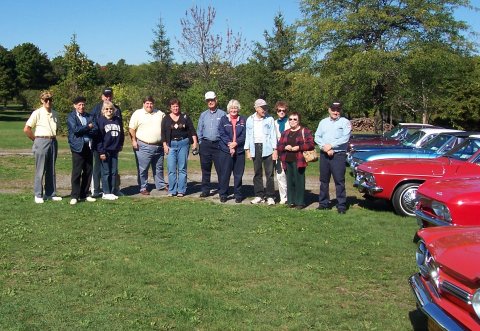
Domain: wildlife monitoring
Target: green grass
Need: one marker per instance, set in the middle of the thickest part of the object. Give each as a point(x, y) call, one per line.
point(183, 264)
point(170, 264)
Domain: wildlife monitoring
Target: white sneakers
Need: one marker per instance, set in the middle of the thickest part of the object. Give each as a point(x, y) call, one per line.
point(90, 199)
point(73, 201)
point(41, 200)
point(283, 201)
point(257, 200)
point(107, 196)
point(54, 198)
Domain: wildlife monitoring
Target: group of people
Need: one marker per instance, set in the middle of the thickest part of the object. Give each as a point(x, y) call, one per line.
point(223, 140)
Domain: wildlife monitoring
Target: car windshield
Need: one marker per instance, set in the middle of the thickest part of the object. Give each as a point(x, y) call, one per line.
point(413, 138)
point(465, 150)
point(438, 142)
point(394, 133)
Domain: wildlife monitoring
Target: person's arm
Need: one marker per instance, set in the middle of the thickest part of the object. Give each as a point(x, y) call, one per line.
point(200, 127)
point(28, 132)
point(273, 140)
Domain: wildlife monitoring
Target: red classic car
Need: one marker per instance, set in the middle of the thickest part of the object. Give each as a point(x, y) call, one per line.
point(447, 286)
point(397, 180)
point(448, 201)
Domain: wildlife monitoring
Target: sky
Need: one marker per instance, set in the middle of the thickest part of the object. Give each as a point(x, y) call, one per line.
point(110, 30)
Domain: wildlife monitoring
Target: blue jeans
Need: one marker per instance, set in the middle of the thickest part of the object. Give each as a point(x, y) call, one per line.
point(150, 155)
point(109, 173)
point(177, 166)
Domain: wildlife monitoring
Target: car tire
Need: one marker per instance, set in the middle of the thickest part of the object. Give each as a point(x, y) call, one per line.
point(404, 197)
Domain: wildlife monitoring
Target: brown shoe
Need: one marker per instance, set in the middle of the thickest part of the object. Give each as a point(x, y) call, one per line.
point(144, 192)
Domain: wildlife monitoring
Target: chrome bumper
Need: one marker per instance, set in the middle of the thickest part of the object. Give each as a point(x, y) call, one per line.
point(429, 308)
point(364, 187)
point(421, 216)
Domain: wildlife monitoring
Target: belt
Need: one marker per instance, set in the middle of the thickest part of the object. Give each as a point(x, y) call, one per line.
point(155, 144)
point(46, 137)
point(178, 139)
point(212, 141)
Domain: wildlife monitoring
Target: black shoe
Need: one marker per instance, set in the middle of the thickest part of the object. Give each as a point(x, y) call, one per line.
point(223, 199)
point(238, 200)
point(300, 206)
point(204, 195)
point(322, 208)
point(341, 211)
point(291, 206)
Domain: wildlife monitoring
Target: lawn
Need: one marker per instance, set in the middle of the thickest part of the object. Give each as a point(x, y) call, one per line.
point(169, 263)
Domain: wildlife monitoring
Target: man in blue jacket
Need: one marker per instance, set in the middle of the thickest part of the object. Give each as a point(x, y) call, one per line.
point(81, 130)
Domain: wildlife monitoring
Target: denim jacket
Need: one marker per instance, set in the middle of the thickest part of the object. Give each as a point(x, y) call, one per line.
point(269, 134)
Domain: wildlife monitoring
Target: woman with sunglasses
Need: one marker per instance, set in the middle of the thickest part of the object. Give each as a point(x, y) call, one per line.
point(291, 145)
point(109, 144)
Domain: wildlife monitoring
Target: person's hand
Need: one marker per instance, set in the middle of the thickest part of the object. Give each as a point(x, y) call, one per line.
point(330, 152)
point(103, 157)
point(288, 148)
point(248, 154)
point(90, 125)
point(327, 147)
point(295, 149)
point(274, 155)
point(232, 151)
point(134, 145)
point(232, 144)
point(166, 149)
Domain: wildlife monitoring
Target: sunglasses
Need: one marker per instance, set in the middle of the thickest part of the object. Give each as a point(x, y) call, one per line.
point(293, 119)
point(280, 110)
point(47, 100)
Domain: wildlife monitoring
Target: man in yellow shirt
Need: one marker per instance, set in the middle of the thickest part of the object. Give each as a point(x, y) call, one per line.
point(145, 129)
point(44, 121)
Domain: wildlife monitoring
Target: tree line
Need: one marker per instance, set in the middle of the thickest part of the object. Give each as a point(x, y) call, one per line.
point(391, 60)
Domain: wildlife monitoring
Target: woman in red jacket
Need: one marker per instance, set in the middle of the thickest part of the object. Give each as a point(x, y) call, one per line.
point(293, 142)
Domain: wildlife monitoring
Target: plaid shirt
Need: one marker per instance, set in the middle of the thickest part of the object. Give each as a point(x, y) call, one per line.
point(305, 145)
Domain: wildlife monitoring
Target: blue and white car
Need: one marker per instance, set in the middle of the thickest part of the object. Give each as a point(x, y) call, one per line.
point(432, 142)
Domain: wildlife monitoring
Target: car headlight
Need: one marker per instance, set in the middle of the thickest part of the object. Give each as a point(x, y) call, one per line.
point(426, 263)
point(420, 257)
point(442, 211)
point(476, 302)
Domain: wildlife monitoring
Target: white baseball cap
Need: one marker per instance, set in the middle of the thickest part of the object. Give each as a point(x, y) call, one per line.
point(210, 95)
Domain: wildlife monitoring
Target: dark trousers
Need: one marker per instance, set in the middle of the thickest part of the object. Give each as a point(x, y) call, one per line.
point(295, 184)
point(263, 164)
point(109, 172)
point(82, 164)
point(231, 164)
point(333, 166)
point(209, 153)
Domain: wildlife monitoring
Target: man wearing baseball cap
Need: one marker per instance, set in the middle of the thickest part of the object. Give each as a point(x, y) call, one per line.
point(107, 95)
point(261, 147)
point(332, 137)
point(208, 138)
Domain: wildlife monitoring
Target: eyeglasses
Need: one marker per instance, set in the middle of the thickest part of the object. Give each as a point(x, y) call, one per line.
point(293, 119)
point(280, 110)
point(47, 100)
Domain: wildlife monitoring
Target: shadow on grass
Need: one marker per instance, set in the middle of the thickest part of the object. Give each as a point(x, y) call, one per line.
point(418, 320)
point(13, 115)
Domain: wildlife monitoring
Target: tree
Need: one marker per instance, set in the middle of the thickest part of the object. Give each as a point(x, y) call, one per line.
point(201, 45)
point(162, 55)
point(370, 38)
point(8, 76)
point(273, 61)
point(33, 67)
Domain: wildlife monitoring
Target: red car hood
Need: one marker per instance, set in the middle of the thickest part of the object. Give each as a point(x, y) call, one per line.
point(450, 188)
point(435, 167)
point(456, 249)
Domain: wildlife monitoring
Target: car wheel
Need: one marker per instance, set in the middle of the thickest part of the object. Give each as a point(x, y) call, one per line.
point(404, 199)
